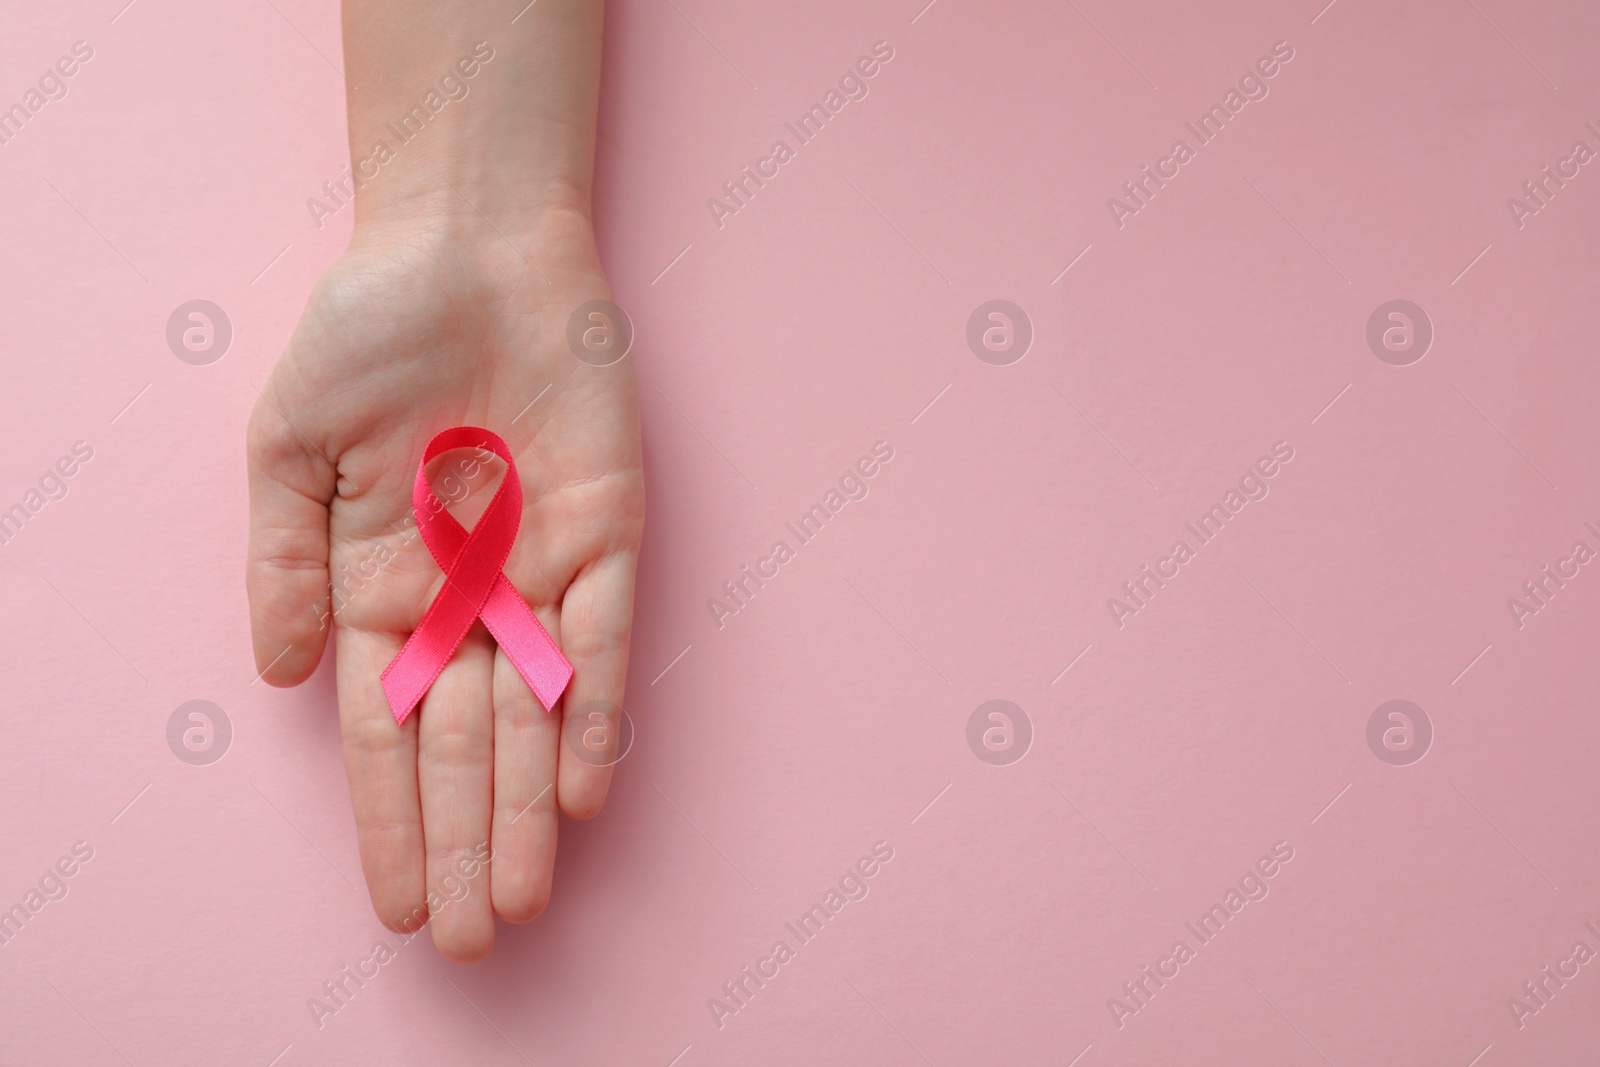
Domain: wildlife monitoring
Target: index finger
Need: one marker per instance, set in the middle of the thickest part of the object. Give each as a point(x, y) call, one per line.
point(380, 760)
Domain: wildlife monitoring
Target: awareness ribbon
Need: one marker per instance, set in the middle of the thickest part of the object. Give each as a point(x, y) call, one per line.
point(474, 587)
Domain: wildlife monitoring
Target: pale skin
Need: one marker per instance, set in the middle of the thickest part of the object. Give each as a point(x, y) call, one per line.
point(471, 248)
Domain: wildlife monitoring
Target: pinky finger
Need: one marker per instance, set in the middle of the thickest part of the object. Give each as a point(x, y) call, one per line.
point(596, 624)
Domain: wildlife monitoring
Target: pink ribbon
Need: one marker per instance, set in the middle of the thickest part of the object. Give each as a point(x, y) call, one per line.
point(474, 587)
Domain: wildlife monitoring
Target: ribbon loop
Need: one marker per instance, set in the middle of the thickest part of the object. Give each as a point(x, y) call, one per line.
point(475, 586)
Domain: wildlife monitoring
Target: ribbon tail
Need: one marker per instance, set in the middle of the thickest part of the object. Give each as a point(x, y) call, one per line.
point(527, 643)
point(403, 686)
point(417, 666)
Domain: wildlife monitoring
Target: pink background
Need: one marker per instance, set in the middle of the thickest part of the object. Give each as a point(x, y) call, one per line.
point(831, 713)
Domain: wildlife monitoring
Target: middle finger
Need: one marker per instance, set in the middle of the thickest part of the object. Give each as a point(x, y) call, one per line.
point(455, 762)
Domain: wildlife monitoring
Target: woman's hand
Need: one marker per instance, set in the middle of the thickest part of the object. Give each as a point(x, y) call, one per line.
point(431, 321)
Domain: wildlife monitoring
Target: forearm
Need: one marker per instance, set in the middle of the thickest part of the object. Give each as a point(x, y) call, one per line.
point(464, 121)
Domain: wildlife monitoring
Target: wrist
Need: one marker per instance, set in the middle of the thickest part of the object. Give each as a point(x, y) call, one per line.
point(554, 240)
point(471, 139)
point(466, 175)
point(466, 204)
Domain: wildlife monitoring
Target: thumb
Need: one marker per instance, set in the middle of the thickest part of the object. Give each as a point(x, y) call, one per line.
point(286, 572)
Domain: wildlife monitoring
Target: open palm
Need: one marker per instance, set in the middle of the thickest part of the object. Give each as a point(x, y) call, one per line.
point(401, 338)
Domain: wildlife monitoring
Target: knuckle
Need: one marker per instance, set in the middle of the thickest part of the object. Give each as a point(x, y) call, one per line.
point(370, 736)
point(270, 439)
point(458, 743)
